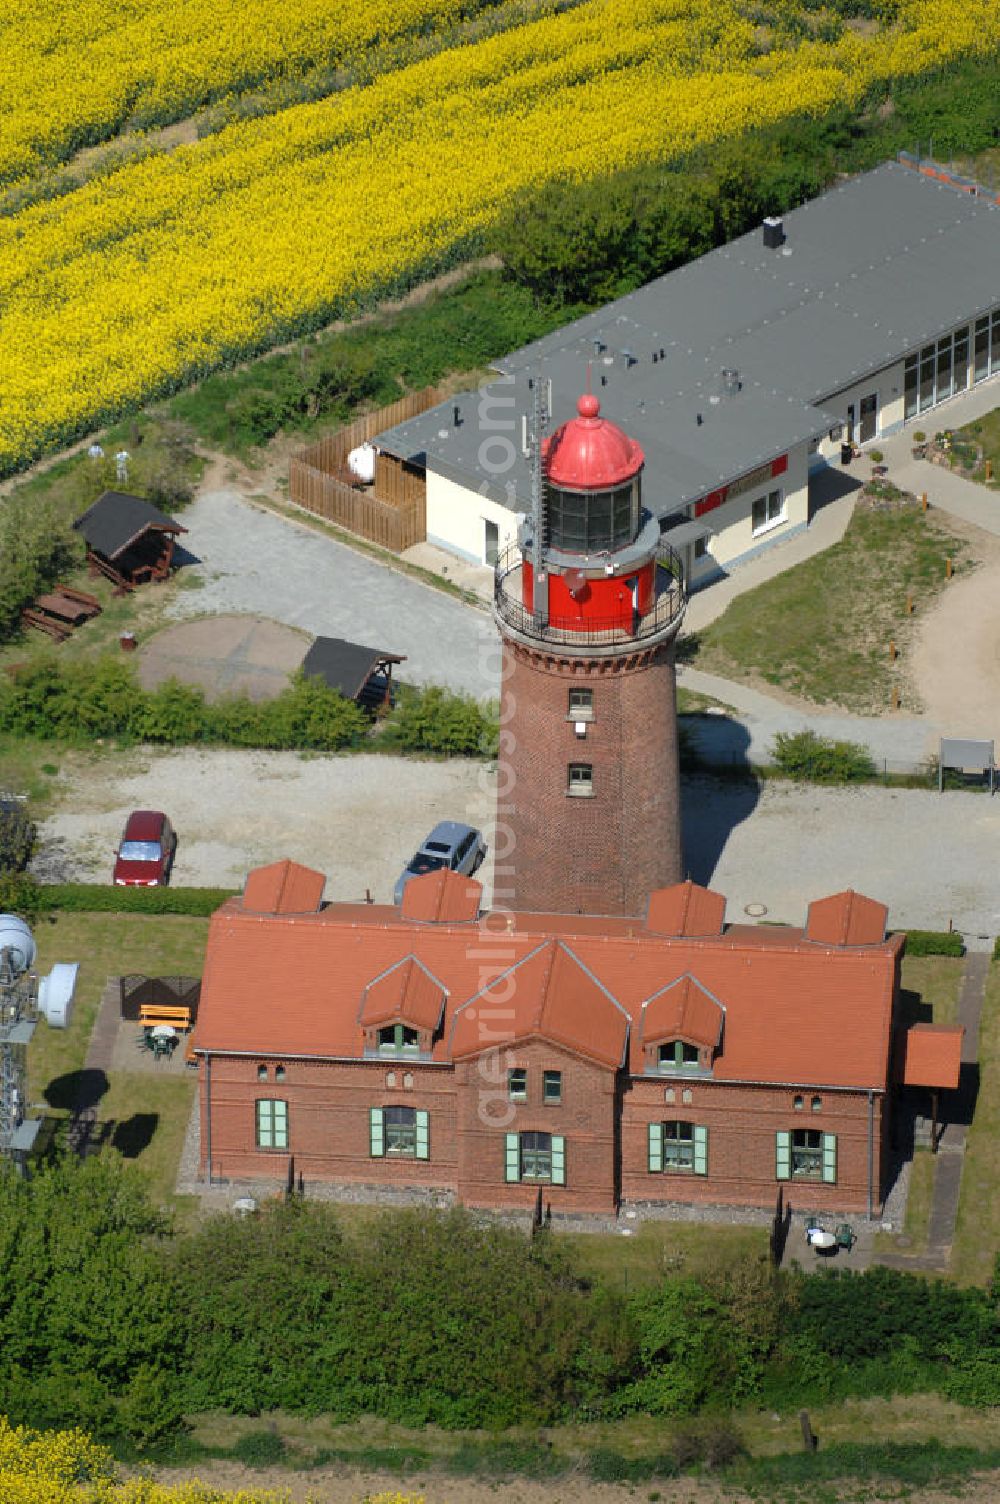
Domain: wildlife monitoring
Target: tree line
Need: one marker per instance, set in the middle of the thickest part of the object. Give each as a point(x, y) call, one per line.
point(113, 1319)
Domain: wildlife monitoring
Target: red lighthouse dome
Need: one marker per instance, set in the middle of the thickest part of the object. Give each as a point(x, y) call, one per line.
point(590, 453)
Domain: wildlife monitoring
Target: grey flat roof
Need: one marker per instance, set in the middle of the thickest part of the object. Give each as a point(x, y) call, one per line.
point(869, 271)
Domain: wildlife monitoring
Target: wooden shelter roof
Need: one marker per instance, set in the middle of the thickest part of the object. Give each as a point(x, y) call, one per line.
point(116, 521)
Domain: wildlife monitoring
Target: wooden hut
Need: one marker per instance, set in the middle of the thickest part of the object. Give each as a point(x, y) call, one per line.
point(128, 539)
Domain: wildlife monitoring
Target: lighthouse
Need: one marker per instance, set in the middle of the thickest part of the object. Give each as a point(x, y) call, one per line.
point(588, 603)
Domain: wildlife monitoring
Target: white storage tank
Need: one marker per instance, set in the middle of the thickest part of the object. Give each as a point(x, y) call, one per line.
point(361, 462)
point(55, 994)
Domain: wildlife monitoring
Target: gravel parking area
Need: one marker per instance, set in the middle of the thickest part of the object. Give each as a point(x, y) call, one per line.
point(359, 818)
point(251, 561)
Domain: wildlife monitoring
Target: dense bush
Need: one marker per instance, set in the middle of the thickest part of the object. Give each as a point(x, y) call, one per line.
point(17, 838)
point(36, 545)
point(109, 1318)
point(436, 720)
point(818, 759)
point(934, 943)
point(83, 699)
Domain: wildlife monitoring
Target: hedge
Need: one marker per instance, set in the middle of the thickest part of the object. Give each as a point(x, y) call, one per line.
point(934, 943)
point(23, 895)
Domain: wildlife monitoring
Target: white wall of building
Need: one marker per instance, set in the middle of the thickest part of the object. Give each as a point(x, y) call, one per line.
point(457, 518)
point(887, 387)
point(734, 534)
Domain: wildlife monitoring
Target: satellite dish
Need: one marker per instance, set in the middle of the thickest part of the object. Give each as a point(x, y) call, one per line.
point(55, 994)
point(17, 939)
point(576, 583)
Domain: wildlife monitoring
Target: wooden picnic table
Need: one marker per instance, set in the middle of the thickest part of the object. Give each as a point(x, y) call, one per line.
point(63, 607)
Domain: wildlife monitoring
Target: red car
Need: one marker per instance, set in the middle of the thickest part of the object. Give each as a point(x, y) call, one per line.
point(146, 852)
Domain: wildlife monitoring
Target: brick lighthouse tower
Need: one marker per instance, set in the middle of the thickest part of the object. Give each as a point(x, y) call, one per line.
point(588, 603)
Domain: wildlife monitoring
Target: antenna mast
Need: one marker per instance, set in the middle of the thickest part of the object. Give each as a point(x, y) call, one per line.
point(540, 413)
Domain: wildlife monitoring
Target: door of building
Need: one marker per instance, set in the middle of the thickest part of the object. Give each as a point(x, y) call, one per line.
point(850, 435)
point(868, 417)
point(491, 542)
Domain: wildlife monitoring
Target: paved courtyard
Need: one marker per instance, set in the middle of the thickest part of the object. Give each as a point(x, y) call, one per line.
point(253, 561)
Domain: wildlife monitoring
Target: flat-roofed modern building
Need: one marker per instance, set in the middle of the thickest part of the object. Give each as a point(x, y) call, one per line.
point(741, 373)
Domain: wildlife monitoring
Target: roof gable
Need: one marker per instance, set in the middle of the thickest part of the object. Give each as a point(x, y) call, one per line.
point(283, 888)
point(686, 909)
point(550, 993)
point(407, 993)
point(683, 1010)
point(441, 897)
point(846, 918)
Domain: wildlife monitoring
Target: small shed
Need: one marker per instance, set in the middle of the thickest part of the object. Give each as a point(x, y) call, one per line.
point(128, 539)
point(358, 673)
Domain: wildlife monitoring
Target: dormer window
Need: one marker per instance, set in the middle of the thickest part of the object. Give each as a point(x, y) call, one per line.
point(397, 1039)
point(677, 1055)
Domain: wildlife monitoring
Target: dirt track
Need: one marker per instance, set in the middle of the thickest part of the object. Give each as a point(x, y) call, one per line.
point(331, 1486)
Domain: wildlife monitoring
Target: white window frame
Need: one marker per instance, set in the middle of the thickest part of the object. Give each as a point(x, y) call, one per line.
point(771, 520)
point(580, 788)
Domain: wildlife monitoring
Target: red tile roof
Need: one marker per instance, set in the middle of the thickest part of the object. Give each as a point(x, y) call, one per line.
point(847, 918)
point(795, 1011)
point(441, 897)
point(283, 888)
point(406, 993)
point(686, 909)
point(684, 1010)
point(548, 993)
point(933, 1056)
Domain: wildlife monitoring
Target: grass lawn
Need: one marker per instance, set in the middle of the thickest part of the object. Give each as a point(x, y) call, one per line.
point(977, 1235)
point(930, 985)
point(149, 1115)
point(105, 945)
point(659, 1248)
point(822, 629)
point(913, 1418)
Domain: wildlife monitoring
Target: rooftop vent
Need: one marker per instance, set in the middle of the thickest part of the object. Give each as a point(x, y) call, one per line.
point(774, 233)
point(729, 382)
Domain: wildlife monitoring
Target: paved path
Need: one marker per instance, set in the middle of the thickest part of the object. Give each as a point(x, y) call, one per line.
point(263, 564)
point(951, 1143)
point(952, 493)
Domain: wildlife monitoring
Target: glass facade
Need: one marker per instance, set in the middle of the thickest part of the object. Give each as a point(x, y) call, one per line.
point(938, 371)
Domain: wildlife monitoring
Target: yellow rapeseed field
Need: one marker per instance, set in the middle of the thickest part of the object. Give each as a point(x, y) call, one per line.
point(160, 271)
point(66, 1467)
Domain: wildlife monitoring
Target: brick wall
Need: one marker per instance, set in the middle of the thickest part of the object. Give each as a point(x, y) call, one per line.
point(585, 1118)
point(604, 1125)
point(742, 1122)
point(606, 853)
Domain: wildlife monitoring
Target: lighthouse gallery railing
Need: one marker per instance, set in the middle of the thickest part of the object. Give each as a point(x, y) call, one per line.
point(666, 610)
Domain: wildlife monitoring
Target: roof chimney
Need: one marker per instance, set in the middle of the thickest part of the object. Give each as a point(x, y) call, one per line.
point(730, 382)
point(774, 232)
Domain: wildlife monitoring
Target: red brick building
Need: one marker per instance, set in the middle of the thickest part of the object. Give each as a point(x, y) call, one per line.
point(659, 1060)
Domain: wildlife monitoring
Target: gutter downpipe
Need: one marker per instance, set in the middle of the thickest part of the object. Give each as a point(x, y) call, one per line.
point(871, 1147)
point(208, 1115)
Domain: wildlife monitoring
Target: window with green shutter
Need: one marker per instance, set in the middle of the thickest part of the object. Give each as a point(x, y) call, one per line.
point(376, 1132)
point(536, 1157)
point(678, 1146)
point(783, 1156)
point(423, 1135)
point(830, 1158)
point(272, 1124)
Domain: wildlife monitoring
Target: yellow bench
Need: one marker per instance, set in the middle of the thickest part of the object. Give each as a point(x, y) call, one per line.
point(151, 1014)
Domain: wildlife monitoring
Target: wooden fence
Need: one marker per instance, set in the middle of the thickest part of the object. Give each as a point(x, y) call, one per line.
point(393, 511)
